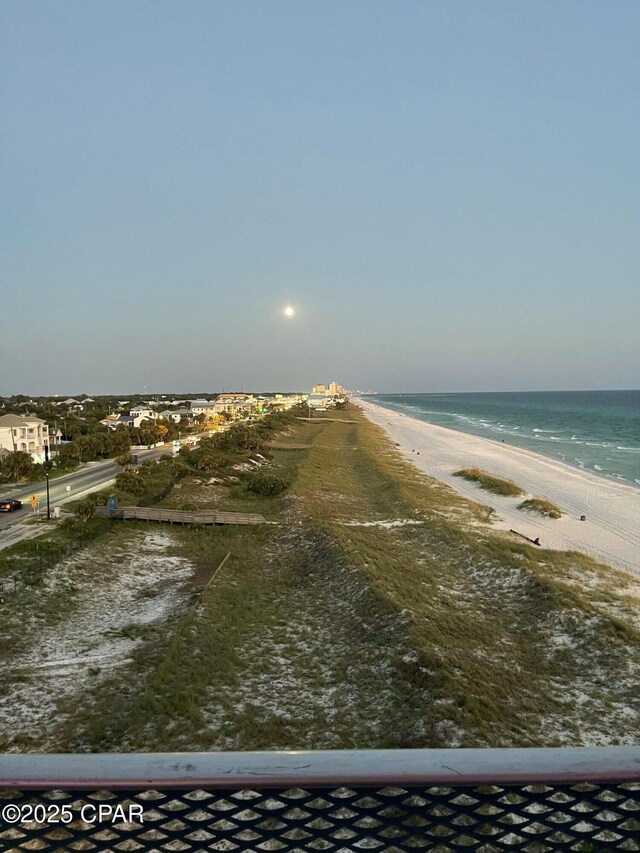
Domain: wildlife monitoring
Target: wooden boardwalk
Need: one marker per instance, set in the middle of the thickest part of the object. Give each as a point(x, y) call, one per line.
point(174, 516)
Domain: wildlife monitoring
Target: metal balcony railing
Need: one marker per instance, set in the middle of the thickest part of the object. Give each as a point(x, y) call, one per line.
point(485, 800)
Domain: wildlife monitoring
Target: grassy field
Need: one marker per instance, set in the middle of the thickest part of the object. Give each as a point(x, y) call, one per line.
point(376, 609)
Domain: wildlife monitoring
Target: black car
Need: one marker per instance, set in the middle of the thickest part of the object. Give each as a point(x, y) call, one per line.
point(9, 505)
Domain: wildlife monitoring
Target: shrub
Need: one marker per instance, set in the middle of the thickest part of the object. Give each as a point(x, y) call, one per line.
point(175, 466)
point(266, 484)
point(542, 507)
point(130, 482)
point(150, 500)
point(85, 509)
point(238, 438)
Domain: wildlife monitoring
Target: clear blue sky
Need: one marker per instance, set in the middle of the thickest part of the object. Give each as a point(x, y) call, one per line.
point(446, 191)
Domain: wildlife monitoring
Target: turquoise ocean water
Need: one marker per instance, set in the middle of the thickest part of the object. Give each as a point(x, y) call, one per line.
point(598, 431)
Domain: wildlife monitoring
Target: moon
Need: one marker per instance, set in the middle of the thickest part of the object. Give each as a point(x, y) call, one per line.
point(289, 311)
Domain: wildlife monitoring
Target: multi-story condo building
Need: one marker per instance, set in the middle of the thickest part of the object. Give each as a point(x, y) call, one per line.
point(236, 405)
point(333, 389)
point(26, 433)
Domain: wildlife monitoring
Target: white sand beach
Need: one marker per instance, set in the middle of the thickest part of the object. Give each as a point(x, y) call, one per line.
point(611, 531)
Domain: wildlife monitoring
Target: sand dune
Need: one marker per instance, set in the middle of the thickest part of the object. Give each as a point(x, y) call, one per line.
point(611, 532)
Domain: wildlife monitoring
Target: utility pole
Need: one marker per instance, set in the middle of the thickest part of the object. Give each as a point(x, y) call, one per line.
point(47, 466)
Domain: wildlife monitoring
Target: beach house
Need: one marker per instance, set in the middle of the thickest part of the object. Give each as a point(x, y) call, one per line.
point(26, 433)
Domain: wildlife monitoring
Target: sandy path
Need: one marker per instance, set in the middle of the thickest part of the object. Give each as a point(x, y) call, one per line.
point(611, 532)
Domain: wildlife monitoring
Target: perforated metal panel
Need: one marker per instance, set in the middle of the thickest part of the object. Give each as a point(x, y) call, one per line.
point(533, 818)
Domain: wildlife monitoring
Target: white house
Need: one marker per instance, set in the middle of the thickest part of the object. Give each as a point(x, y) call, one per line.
point(142, 412)
point(134, 419)
point(202, 407)
point(72, 404)
point(26, 433)
point(185, 414)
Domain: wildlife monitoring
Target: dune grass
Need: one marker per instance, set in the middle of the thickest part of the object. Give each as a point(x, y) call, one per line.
point(378, 611)
point(542, 507)
point(496, 625)
point(490, 482)
point(269, 658)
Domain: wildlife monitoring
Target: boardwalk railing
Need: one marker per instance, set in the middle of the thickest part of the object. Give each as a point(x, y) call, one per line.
point(174, 516)
point(531, 800)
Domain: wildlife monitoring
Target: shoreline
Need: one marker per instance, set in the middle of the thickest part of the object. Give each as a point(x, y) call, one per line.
point(525, 443)
point(611, 531)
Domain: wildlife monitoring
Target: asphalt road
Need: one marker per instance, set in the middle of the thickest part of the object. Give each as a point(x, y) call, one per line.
point(69, 487)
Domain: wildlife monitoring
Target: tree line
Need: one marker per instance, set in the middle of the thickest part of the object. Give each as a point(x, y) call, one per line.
point(88, 441)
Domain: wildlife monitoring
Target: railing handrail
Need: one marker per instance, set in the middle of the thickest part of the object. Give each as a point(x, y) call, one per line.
point(362, 768)
point(205, 516)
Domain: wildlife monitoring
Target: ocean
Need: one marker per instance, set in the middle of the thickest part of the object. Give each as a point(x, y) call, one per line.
point(598, 431)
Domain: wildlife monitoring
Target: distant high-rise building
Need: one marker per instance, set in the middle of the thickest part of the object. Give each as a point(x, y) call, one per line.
point(319, 389)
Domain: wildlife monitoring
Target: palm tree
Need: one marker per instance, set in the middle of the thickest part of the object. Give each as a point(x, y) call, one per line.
point(17, 465)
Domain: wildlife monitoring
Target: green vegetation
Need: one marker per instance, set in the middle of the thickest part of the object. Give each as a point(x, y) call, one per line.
point(150, 483)
point(129, 483)
point(101, 443)
point(378, 612)
point(84, 510)
point(542, 507)
point(266, 484)
point(125, 461)
point(15, 466)
point(153, 481)
point(87, 439)
point(489, 482)
point(19, 466)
